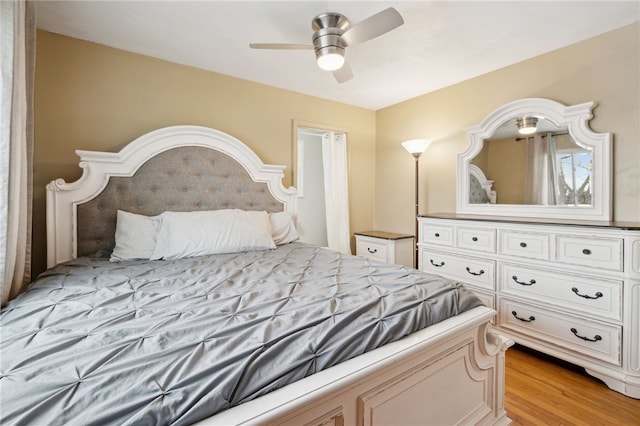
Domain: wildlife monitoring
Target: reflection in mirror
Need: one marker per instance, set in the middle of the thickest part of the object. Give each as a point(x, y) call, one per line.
point(544, 168)
point(536, 158)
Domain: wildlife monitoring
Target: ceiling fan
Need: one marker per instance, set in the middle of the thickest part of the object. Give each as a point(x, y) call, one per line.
point(333, 33)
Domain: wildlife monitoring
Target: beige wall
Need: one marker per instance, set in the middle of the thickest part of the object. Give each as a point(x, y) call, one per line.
point(604, 69)
point(94, 97)
point(98, 98)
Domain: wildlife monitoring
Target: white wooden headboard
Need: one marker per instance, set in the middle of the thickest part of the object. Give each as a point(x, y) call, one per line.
point(176, 168)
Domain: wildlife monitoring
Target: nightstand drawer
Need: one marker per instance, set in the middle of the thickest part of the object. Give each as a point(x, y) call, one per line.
point(597, 340)
point(479, 272)
point(590, 295)
point(437, 234)
point(524, 244)
point(386, 247)
point(605, 253)
point(476, 239)
point(371, 248)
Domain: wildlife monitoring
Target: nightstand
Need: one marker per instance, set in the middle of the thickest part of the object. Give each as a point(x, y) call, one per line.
point(385, 246)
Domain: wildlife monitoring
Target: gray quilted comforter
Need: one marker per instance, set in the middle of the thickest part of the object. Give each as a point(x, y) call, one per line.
point(173, 342)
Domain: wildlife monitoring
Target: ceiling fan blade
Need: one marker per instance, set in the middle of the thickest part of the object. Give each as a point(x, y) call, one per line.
point(373, 26)
point(343, 74)
point(283, 46)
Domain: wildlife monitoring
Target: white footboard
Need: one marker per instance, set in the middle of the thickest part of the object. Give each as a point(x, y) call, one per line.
point(450, 373)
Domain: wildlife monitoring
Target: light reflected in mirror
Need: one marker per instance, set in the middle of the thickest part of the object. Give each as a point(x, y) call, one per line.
point(544, 168)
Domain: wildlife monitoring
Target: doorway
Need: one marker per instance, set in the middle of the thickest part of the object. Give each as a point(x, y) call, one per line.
point(312, 217)
point(320, 175)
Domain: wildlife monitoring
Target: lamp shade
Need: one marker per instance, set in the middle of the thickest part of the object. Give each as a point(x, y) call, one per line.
point(416, 146)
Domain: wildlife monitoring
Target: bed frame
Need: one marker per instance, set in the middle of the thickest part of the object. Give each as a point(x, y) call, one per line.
point(450, 373)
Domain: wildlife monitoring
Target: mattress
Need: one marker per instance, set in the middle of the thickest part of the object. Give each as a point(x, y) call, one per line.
point(173, 342)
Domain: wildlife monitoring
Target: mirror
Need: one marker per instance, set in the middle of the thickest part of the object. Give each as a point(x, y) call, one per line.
point(559, 169)
point(545, 168)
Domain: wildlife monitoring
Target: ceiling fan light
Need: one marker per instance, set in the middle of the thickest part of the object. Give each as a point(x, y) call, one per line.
point(331, 61)
point(527, 125)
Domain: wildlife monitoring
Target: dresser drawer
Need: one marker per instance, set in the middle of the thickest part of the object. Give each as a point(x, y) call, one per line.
point(591, 338)
point(476, 239)
point(524, 244)
point(605, 253)
point(479, 272)
point(589, 295)
point(436, 234)
point(371, 248)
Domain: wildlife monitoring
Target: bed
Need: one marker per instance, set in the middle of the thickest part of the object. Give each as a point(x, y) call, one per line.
point(249, 328)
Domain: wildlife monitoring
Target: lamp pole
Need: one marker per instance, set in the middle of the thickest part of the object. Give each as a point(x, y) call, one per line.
point(416, 147)
point(416, 155)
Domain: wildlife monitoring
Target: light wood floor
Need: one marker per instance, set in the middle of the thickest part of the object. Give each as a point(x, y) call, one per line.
point(543, 391)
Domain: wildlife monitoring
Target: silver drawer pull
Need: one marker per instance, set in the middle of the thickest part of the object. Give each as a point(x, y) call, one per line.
point(437, 265)
point(523, 244)
point(586, 252)
point(586, 296)
point(530, 319)
point(372, 251)
point(475, 273)
point(515, 278)
point(595, 338)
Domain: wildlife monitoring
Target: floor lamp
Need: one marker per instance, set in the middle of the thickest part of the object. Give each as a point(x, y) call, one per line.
point(416, 147)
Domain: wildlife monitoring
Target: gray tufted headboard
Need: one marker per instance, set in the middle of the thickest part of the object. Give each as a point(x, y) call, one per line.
point(180, 168)
point(181, 179)
point(477, 193)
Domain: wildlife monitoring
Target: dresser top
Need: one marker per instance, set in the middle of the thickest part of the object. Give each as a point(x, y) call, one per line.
point(383, 235)
point(632, 226)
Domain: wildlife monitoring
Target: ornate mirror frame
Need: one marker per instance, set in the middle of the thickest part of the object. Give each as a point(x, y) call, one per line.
point(575, 118)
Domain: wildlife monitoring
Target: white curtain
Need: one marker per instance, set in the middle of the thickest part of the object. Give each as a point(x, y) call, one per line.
point(334, 160)
point(541, 170)
point(17, 49)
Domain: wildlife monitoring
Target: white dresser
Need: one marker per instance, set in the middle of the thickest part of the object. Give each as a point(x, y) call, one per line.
point(385, 246)
point(569, 290)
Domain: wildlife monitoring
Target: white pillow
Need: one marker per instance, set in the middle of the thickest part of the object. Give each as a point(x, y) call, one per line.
point(188, 234)
point(283, 230)
point(135, 237)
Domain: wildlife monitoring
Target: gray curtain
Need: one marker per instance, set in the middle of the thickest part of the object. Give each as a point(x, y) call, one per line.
point(541, 170)
point(17, 50)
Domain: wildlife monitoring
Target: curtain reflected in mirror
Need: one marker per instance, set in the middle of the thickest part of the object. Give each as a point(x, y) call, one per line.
point(546, 168)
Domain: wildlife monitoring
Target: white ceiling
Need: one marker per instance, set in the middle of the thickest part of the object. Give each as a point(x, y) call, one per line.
point(440, 44)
